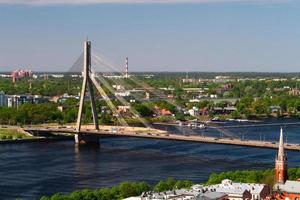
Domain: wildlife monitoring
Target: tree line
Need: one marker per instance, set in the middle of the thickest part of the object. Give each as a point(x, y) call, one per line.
point(121, 191)
point(128, 189)
point(251, 176)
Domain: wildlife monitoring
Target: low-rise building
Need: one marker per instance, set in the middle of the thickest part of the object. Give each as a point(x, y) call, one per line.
point(184, 194)
point(165, 112)
point(18, 100)
point(162, 111)
point(294, 92)
point(223, 79)
point(241, 191)
point(122, 94)
point(3, 99)
point(123, 109)
point(194, 111)
point(227, 190)
point(62, 99)
point(290, 190)
point(193, 90)
point(275, 109)
point(133, 198)
point(194, 100)
point(118, 87)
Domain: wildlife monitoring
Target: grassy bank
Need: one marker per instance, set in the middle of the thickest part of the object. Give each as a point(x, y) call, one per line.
point(11, 134)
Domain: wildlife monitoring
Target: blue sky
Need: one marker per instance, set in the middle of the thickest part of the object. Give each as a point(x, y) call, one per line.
point(201, 35)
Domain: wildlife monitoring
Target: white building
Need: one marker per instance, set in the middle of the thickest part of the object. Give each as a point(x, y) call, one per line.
point(227, 190)
point(18, 100)
point(133, 198)
point(223, 79)
point(57, 75)
point(118, 87)
point(240, 191)
point(10, 101)
point(122, 94)
point(194, 111)
point(194, 100)
point(183, 194)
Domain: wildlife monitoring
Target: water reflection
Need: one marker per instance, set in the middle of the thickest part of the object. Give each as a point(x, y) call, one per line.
point(87, 162)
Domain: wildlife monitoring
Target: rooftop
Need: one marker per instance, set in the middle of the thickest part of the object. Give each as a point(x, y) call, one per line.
point(289, 186)
point(227, 186)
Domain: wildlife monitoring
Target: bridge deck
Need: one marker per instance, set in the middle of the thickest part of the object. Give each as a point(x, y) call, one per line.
point(170, 136)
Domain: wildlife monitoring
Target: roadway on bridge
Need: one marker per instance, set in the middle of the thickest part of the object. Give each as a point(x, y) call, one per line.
point(158, 134)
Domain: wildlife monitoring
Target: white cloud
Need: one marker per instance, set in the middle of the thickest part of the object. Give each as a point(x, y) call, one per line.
point(83, 2)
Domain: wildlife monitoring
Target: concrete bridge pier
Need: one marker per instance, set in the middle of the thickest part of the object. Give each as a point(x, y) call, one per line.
point(83, 139)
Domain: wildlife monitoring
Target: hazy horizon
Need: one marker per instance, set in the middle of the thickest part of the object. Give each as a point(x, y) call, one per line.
point(158, 71)
point(168, 35)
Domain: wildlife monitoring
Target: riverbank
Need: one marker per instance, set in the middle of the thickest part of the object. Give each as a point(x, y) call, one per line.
point(129, 189)
point(16, 135)
point(13, 134)
point(36, 139)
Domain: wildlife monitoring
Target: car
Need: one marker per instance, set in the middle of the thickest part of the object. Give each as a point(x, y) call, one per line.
point(114, 130)
point(215, 119)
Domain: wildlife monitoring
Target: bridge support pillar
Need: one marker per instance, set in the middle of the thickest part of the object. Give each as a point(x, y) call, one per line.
point(83, 139)
point(87, 82)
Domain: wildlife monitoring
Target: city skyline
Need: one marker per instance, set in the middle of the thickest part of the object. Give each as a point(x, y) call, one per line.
point(201, 35)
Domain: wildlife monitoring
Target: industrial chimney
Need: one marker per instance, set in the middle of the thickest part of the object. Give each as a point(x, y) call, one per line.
point(126, 69)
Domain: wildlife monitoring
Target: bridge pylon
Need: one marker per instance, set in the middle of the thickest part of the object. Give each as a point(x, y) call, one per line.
point(87, 83)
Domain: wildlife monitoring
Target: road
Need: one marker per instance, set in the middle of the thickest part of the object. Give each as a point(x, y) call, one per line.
point(167, 136)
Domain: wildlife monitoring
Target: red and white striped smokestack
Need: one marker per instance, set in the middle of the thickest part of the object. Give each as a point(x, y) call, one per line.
point(126, 69)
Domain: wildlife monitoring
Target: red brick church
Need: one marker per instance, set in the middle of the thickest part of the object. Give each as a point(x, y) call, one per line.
point(285, 189)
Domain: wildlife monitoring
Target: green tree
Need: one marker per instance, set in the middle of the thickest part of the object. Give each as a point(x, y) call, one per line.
point(143, 110)
point(179, 116)
point(127, 189)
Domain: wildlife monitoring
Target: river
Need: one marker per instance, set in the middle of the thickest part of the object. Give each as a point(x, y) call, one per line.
point(31, 170)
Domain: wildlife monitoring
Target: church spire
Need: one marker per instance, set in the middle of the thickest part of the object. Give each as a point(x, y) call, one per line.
point(281, 154)
point(281, 161)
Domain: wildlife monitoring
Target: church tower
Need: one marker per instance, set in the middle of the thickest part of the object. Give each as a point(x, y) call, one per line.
point(281, 162)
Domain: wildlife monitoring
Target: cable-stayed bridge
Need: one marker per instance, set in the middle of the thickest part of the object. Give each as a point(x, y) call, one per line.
point(92, 66)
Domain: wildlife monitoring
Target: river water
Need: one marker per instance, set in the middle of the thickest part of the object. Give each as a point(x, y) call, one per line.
point(30, 170)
